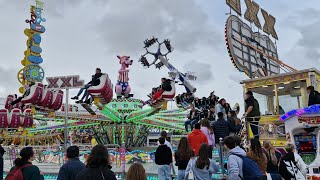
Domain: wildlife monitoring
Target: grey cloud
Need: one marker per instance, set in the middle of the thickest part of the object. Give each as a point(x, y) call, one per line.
point(201, 70)
point(128, 23)
point(8, 81)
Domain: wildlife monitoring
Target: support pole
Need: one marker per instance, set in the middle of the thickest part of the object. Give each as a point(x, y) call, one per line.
point(66, 109)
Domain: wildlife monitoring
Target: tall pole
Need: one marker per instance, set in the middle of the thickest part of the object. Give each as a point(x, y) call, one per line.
point(66, 109)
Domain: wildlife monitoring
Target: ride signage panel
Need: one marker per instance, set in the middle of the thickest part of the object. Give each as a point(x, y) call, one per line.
point(64, 82)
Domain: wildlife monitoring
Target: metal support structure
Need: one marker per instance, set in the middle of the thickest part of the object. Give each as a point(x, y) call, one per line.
point(221, 155)
point(277, 98)
point(66, 108)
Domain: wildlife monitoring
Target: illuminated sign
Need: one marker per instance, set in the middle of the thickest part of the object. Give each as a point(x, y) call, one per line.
point(64, 82)
point(251, 15)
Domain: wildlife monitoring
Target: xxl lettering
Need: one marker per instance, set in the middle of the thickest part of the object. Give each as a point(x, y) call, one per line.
point(52, 82)
point(270, 21)
point(66, 82)
point(252, 13)
point(235, 5)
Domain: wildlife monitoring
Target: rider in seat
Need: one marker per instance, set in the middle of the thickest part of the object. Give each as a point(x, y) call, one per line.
point(25, 94)
point(94, 82)
point(165, 86)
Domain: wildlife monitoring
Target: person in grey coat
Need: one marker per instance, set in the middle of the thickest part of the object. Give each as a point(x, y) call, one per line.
point(234, 164)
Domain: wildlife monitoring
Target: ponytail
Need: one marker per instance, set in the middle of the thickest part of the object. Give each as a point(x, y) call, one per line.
point(25, 154)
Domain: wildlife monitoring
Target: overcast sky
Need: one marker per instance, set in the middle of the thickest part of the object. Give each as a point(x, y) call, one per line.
point(82, 35)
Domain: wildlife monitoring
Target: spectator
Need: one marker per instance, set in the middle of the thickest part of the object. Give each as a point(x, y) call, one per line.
point(221, 127)
point(272, 166)
point(136, 172)
point(73, 167)
point(234, 165)
point(164, 134)
point(29, 171)
point(252, 113)
point(220, 107)
point(228, 108)
point(193, 118)
point(196, 138)
point(211, 114)
point(291, 164)
point(163, 158)
point(2, 151)
point(182, 157)
point(256, 154)
point(202, 166)
point(234, 122)
point(314, 96)
point(98, 165)
point(208, 131)
point(237, 139)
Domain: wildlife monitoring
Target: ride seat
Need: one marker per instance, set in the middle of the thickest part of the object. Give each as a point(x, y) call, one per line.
point(4, 118)
point(168, 95)
point(47, 97)
point(10, 98)
point(103, 91)
point(56, 100)
point(14, 118)
point(35, 94)
point(27, 119)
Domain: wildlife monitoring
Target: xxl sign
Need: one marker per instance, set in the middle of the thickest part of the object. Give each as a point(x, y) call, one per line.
point(251, 15)
point(64, 82)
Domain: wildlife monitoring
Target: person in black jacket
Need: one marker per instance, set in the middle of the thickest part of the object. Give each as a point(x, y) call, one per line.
point(193, 118)
point(221, 127)
point(314, 96)
point(98, 165)
point(25, 94)
point(163, 158)
point(73, 167)
point(94, 82)
point(182, 157)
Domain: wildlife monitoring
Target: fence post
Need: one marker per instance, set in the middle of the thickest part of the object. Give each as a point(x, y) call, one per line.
point(221, 155)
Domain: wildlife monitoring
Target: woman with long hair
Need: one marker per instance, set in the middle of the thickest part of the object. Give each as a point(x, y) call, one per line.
point(98, 165)
point(136, 172)
point(220, 107)
point(202, 166)
point(208, 131)
point(235, 122)
point(182, 157)
point(24, 163)
point(271, 154)
point(256, 154)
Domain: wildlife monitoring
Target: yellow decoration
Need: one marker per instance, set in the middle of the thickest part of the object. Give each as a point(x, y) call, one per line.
point(21, 90)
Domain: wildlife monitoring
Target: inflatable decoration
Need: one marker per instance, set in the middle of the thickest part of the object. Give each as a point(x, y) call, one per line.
point(32, 71)
point(122, 87)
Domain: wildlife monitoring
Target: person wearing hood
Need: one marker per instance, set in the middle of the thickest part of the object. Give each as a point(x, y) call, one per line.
point(202, 167)
point(163, 158)
point(196, 138)
point(234, 165)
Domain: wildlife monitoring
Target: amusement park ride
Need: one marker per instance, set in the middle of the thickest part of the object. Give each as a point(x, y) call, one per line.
point(40, 117)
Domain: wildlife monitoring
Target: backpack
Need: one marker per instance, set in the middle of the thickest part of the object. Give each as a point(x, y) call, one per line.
point(16, 173)
point(250, 169)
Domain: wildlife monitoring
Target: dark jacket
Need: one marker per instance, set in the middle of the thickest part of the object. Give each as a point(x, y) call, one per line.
point(182, 164)
point(292, 161)
point(163, 155)
point(251, 101)
point(221, 129)
point(314, 98)
point(95, 79)
point(166, 86)
point(71, 169)
point(102, 173)
point(196, 115)
point(31, 173)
